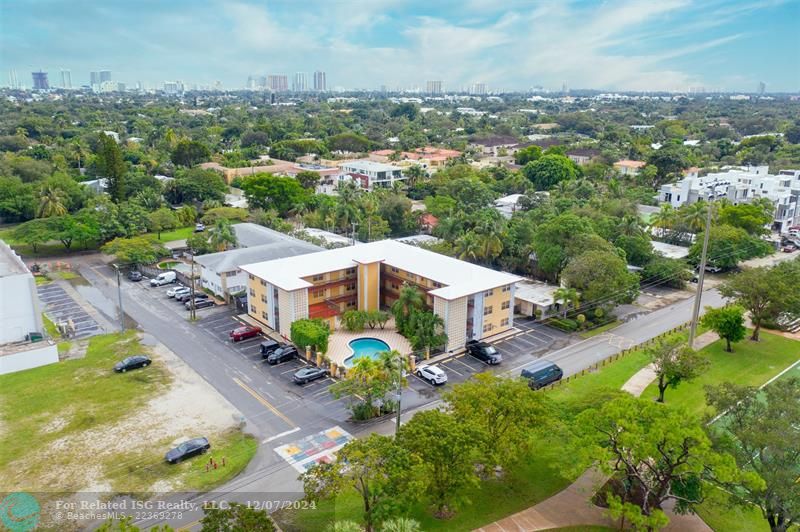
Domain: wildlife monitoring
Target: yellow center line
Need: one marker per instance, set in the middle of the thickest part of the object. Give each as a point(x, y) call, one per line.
point(263, 401)
point(188, 526)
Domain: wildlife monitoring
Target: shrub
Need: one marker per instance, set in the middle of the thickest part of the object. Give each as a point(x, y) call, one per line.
point(354, 320)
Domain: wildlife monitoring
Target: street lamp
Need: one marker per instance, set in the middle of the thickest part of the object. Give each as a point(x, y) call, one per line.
point(399, 360)
point(119, 298)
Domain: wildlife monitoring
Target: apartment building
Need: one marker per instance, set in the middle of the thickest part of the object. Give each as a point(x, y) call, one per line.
point(741, 185)
point(474, 302)
point(373, 174)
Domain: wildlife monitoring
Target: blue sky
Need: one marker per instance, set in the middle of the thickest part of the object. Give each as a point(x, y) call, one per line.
point(508, 44)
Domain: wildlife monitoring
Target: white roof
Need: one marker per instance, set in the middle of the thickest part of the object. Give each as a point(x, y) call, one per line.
point(536, 292)
point(367, 165)
point(669, 250)
point(459, 278)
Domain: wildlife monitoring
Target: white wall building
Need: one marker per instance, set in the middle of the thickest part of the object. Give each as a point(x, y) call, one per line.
point(20, 315)
point(373, 174)
point(741, 185)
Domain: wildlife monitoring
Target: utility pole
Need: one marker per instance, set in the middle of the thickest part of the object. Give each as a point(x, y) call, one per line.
point(355, 224)
point(119, 298)
point(700, 277)
point(192, 313)
point(399, 392)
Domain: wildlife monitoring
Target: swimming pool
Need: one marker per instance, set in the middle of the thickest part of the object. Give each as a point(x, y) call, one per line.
point(365, 347)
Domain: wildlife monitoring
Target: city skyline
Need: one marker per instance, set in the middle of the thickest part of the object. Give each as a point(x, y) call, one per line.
point(671, 46)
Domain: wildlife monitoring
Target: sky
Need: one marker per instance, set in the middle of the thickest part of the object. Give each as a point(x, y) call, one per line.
point(642, 45)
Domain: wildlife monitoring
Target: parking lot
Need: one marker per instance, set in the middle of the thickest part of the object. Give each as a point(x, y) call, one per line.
point(60, 307)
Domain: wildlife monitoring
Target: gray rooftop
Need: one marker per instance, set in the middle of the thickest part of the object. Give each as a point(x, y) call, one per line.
point(10, 262)
point(226, 261)
point(250, 234)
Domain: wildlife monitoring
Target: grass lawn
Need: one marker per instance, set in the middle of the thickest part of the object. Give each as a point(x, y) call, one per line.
point(717, 514)
point(750, 364)
point(54, 248)
point(598, 330)
point(50, 328)
point(539, 478)
point(176, 234)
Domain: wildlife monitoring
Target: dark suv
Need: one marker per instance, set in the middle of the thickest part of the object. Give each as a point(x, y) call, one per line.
point(282, 354)
point(484, 352)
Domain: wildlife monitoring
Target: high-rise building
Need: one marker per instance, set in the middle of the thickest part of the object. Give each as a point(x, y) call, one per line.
point(299, 82)
point(261, 82)
point(66, 79)
point(478, 89)
point(433, 87)
point(251, 83)
point(320, 83)
point(94, 79)
point(278, 82)
point(762, 87)
point(105, 75)
point(13, 82)
point(173, 87)
point(40, 82)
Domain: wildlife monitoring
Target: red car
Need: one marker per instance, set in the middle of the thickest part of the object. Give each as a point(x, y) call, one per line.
point(243, 333)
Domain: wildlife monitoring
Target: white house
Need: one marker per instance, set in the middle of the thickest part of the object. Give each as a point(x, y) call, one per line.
point(373, 174)
point(741, 185)
point(20, 316)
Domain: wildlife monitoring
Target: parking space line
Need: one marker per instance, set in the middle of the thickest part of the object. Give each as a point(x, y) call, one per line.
point(454, 370)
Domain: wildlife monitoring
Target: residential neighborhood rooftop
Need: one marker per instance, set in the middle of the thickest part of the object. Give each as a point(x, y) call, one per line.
point(226, 261)
point(10, 262)
point(459, 277)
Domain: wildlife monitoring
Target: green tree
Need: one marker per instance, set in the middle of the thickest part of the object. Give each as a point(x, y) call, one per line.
point(125, 524)
point(33, 233)
point(638, 249)
point(162, 220)
point(656, 454)
point(348, 142)
point(448, 450)
point(236, 517)
point(602, 277)
point(668, 272)
point(553, 242)
point(195, 184)
point(111, 166)
point(366, 384)
point(354, 320)
point(385, 475)
point(308, 179)
point(674, 362)
point(312, 333)
point(426, 330)
point(136, 250)
point(190, 152)
point(504, 411)
point(567, 297)
point(727, 246)
point(198, 244)
point(752, 217)
point(727, 322)
point(693, 216)
point(527, 154)
point(761, 430)
point(267, 191)
point(408, 300)
point(51, 203)
point(222, 235)
point(549, 170)
point(765, 293)
point(669, 161)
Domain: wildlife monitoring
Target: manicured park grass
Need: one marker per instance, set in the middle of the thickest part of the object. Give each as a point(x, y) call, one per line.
point(750, 364)
point(721, 516)
point(176, 234)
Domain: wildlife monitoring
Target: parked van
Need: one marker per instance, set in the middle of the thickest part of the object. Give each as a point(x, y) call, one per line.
point(541, 373)
point(163, 278)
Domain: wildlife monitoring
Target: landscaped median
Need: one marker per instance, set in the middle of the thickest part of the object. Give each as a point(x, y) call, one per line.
point(79, 426)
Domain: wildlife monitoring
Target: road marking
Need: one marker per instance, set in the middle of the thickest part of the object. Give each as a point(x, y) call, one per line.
point(189, 526)
point(281, 435)
point(263, 401)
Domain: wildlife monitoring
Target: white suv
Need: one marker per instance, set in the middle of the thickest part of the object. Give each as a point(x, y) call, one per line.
point(432, 374)
point(178, 291)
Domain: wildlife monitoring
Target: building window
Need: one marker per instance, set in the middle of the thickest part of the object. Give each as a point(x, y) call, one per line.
point(488, 327)
point(350, 271)
point(318, 293)
point(318, 278)
point(487, 310)
point(263, 298)
point(253, 309)
point(252, 293)
point(395, 286)
point(264, 315)
point(506, 305)
point(351, 286)
point(230, 274)
point(507, 288)
point(395, 270)
point(251, 277)
point(504, 322)
point(488, 293)
point(263, 282)
point(351, 303)
point(437, 285)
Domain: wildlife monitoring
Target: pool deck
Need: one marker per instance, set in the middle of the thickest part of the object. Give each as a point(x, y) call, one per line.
point(339, 348)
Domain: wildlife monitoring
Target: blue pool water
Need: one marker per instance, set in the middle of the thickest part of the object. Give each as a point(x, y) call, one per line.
point(365, 347)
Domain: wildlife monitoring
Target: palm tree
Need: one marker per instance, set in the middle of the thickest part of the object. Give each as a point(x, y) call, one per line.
point(615, 188)
point(630, 226)
point(663, 219)
point(468, 247)
point(222, 235)
point(408, 300)
point(426, 330)
point(51, 203)
point(693, 216)
point(394, 363)
point(567, 297)
point(414, 174)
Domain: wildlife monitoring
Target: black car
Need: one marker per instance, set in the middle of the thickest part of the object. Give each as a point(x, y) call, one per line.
point(282, 354)
point(270, 345)
point(187, 449)
point(541, 373)
point(199, 303)
point(483, 351)
point(134, 276)
point(187, 296)
point(309, 374)
point(134, 362)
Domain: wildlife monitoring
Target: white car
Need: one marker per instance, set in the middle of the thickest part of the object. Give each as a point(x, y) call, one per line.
point(199, 228)
point(432, 374)
point(178, 291)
